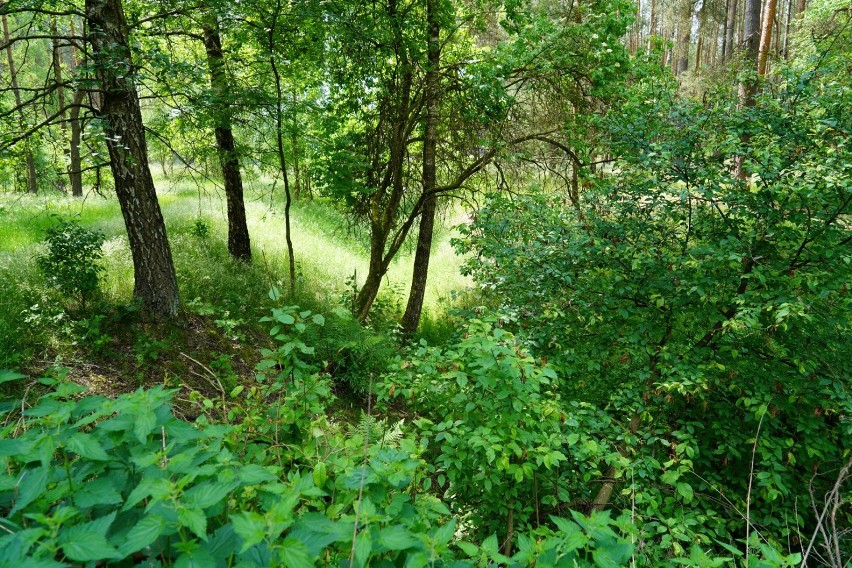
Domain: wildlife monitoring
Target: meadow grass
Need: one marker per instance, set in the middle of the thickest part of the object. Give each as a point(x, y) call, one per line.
point(329, 252)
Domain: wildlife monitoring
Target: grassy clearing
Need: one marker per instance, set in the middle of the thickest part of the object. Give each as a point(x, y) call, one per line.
point(328, 255)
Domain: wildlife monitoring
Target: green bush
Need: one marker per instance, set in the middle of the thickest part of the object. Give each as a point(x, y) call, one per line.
point(71, 260)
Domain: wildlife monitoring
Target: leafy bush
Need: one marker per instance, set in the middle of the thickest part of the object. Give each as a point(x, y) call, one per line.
point(71, 259)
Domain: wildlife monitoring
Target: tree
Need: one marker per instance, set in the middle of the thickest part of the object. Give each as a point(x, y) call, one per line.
point(239, 244)
point(155, 280)
point(32, 181)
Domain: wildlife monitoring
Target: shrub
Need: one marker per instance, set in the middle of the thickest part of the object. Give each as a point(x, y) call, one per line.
point(71, 260)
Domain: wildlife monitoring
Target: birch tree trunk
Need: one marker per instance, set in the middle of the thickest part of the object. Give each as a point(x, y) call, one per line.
point(155, 280)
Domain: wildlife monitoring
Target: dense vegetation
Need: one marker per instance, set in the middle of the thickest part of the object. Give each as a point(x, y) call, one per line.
point(432, 283)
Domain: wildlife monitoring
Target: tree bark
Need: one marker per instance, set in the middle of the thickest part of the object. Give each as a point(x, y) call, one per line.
point(766, 37)
point(239, 243)
point(155, 280)
point(730, 26)
point(75, 165)
point(423, 252)
point(32, 181)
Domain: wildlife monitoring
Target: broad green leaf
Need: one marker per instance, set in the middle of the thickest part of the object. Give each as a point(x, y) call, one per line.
point(294, 554)
point(143, 534)
point(85, 445)
point(87, 546)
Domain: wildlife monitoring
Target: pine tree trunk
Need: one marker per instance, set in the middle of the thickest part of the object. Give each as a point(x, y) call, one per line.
point(239, 243)
point(32, 181)
point(766, 38)
point(730, 26)
point(156, 283)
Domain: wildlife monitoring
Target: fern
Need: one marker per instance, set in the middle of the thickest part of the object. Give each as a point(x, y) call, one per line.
point(377, 431)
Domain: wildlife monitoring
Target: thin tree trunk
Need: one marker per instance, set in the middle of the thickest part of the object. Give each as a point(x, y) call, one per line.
point(239, 243)
point(282, 161)
point(766, 38)
point(75, 165)
point(730, 26)
point(297, 177)
point(155, 281)
point(32, 182)
point(786, 47)
point(411, 318)
point(60, 86)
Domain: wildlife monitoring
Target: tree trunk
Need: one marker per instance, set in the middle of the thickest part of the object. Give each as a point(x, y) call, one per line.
point(60, 86)
point(411, 318)
point(32, 182)
point(766, 37)
point(75, 165)
point(155, 280)
point(279, 136)
point(730, 26)
point(239, 243)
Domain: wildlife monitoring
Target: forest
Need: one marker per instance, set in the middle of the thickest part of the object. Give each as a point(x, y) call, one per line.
point(444, 283)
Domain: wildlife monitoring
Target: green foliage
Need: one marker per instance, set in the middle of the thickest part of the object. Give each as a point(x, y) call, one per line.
point(710, 309)
point(89, 479)
point(493, 418)
point(71, 260)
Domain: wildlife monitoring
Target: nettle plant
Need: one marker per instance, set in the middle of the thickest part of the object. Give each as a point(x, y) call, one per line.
point(87, 479)
point(70, 261)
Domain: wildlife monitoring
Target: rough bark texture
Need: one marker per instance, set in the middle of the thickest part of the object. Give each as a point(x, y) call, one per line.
point(239, 243)
point(32, 182)
point(155, 285)
point(423, 252)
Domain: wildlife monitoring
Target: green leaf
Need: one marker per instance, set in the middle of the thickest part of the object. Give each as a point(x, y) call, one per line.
point(612, 555)
point(6, 376)
point(31, 484)
point(193, 519)
point(294, 554)
point(250, 527)
point(143, 424)
point(87, 546)
point(363, 547)
point(396, 537)
point(253, 474)
point(685, 491)
point(144, 533)
point(86, 446)
point(198, 558)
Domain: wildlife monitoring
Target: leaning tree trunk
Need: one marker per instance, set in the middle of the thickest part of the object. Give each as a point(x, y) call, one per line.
point(423, 252)
point(32, 183)
point(155, 281)
point(239, 243)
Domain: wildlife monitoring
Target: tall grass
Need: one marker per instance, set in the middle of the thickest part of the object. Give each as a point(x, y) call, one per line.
point(329, 254)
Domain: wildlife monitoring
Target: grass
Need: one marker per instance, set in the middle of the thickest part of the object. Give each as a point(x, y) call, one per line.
point(35, 321)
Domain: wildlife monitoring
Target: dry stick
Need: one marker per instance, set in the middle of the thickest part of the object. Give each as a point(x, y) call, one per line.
point(834, 494)
point(750, 478)
point(216, 385)
point(632, 515)
point(363, 473)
